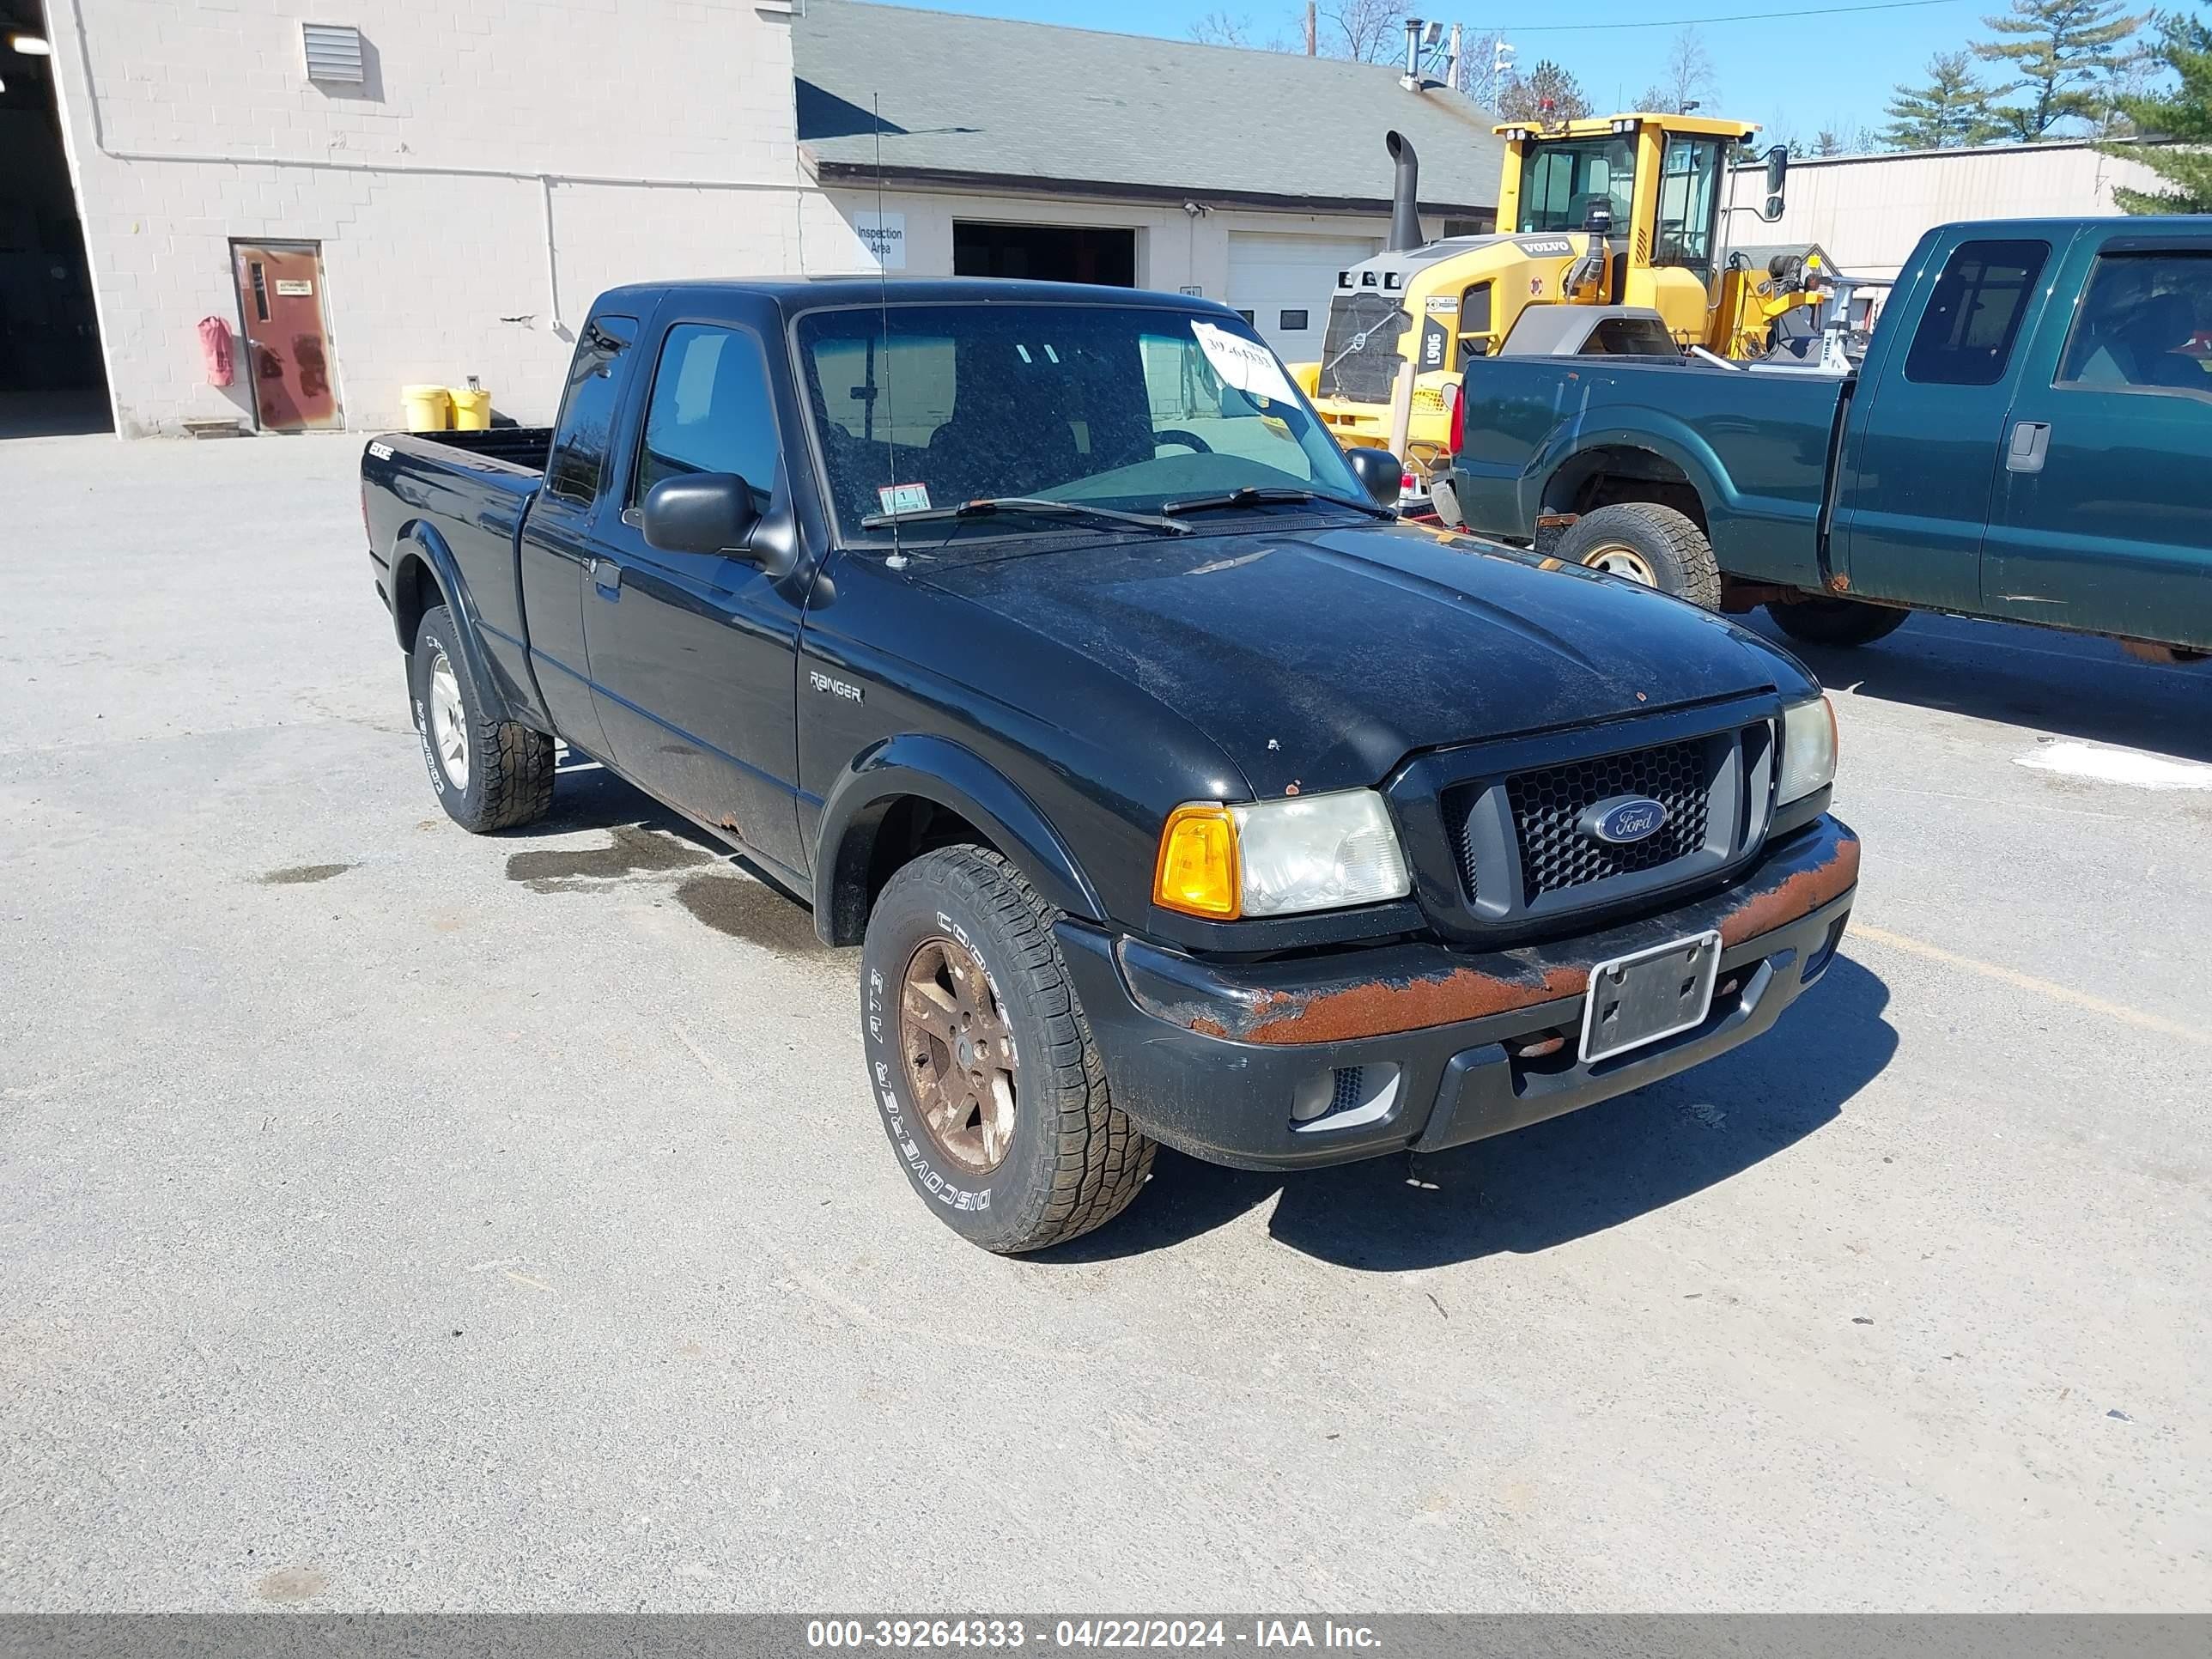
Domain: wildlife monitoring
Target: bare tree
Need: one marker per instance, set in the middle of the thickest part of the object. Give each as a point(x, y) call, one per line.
point(1219, 28)
point(1686, 80)
point(1365, 31)
point(1482, 76)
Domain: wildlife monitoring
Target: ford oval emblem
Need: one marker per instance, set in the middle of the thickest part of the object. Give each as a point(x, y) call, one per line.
point(1623, 820)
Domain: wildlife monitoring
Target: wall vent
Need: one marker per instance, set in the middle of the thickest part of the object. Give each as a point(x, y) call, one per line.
point(333, 53)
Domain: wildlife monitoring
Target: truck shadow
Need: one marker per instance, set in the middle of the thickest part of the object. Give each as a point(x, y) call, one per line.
point(2072, 684)
point(1541, 1187)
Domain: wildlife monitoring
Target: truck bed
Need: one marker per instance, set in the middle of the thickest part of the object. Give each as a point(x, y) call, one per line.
point(1530, 420)
point(462, 496)
point(517, 448)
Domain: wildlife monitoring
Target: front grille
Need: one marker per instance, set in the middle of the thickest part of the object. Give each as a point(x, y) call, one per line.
point(1512, 814)
point(1358, 355)
point(1546, 804)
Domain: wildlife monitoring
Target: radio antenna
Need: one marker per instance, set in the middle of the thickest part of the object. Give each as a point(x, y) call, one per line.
point(897, 560)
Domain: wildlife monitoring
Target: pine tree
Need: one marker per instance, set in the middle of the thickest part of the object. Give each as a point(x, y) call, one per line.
point(1546, 93)
point(2185, 114)
point(1951, 110)
point(2062, 52)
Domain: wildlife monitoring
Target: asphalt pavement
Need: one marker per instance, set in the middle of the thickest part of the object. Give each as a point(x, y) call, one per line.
point(393, 1218)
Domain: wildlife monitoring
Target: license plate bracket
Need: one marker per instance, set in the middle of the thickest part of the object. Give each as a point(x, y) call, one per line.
point(1649, 994)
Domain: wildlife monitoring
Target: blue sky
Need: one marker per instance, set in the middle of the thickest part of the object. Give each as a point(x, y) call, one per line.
point(1789, 69)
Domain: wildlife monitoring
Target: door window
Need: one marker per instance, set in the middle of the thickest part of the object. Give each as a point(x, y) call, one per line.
point(1689, 193)
point(579, 461)
point(2145, 325)
point(711, 412)
point(1965, 337)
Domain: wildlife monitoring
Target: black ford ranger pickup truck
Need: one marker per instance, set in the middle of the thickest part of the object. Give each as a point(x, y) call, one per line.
point(1044, 641)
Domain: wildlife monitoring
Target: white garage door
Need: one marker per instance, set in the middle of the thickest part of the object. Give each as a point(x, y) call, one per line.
point(1283, 284)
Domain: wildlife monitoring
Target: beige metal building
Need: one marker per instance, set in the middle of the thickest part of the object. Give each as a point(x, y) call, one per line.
point(1869, 210)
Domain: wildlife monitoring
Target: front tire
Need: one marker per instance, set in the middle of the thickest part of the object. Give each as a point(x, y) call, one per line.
point(1649, 543)
point(1836, 621)
point(991, 1087)
point(488, 773)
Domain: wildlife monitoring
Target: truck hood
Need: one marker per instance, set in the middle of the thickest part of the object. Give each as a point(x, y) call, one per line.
point(1322, 657)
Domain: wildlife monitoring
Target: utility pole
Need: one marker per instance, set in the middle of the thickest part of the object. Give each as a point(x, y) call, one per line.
point(1313, 41)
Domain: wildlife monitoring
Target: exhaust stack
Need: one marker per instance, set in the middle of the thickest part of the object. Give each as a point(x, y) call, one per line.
point(1405, 230)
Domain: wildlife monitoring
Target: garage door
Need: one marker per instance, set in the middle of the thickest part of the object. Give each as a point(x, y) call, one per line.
point(1283, 284)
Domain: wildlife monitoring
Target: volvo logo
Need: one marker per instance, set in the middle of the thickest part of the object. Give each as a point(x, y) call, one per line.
point(1623, 820)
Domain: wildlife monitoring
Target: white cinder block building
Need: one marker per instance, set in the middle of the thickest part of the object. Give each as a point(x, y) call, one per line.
point(363, 197)
point(447, 184)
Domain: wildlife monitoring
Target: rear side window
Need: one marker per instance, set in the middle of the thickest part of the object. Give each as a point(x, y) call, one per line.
point(1966, 336)
point(579, 462)
point(710, 412)
point(2145, 324)
point(1631, 336)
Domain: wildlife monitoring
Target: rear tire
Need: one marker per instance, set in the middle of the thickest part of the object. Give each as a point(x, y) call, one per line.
point(993, 1094)
point(1649, 544)
point(488, 773)
point(1836, 621)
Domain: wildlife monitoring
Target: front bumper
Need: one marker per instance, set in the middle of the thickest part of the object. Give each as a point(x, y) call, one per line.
point(1211, 1058)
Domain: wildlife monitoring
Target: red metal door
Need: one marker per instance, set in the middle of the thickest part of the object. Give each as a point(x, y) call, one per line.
point(288, 348)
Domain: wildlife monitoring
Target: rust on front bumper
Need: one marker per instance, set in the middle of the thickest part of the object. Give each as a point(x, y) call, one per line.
point(1407, 987)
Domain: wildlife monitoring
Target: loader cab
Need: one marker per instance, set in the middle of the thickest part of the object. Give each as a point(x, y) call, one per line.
point(1663, 177)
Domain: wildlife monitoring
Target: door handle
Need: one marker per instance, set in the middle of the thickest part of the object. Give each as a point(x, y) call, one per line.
point(2030, 443)
point(606, 576)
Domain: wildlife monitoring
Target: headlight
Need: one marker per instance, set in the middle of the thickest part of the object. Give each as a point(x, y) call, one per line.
point(1809, 750)
point(1278, 857)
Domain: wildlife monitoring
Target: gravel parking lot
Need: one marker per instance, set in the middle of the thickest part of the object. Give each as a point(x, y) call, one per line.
point(395, 1218)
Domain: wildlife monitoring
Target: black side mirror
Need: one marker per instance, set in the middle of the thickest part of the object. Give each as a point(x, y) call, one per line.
point(700, 513)
point(1383, 473)
point(1777, 170)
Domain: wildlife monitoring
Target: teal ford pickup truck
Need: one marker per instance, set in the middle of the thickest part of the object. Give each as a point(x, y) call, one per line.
point(2028, 437)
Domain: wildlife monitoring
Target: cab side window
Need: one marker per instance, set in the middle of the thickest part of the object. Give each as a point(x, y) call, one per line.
point(579, 462)
point(2145, 325)
point(711, 412)
point(1967, 334)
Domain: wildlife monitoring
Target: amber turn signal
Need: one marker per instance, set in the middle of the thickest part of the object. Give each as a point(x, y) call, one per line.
point(1198, 872)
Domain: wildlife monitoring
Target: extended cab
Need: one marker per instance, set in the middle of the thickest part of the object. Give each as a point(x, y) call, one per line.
point(1046, 643)
point(2028, 438)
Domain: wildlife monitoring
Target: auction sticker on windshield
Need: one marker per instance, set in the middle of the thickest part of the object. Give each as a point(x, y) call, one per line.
point(904, 498)
point(1245, 364)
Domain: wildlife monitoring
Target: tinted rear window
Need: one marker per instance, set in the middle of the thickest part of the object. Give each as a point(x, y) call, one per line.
point(1966, 336)
point(587, 411)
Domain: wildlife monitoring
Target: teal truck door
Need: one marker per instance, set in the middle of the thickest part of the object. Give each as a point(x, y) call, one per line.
point(2102, 518)
point(1915, 493)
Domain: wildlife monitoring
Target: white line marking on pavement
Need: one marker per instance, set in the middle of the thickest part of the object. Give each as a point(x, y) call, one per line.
point(2134, 1017)
point(2128, 766)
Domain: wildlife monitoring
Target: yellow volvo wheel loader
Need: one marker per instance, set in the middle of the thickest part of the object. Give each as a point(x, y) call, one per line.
point(1624, 211)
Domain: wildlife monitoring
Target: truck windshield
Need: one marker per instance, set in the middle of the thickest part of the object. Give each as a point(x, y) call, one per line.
point(1560, 178)
point(924, 407)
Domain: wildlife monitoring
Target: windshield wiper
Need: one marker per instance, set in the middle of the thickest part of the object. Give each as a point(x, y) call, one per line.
point(984, 507)
point(1258, 495)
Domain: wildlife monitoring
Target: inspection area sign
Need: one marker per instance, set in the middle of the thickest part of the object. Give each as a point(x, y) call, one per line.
point(884, 233)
